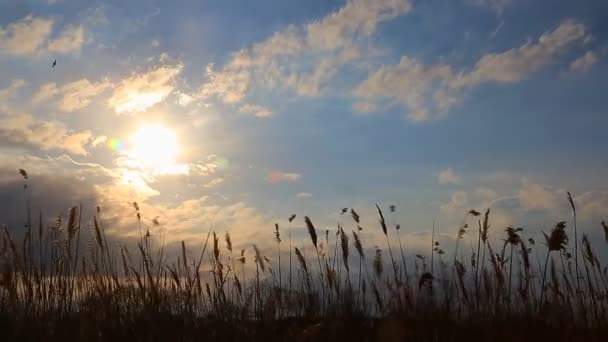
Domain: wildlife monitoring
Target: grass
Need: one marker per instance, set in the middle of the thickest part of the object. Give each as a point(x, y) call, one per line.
point(54, 287)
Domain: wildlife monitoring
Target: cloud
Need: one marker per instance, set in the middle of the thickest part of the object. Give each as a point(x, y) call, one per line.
point(56, 184)
point(592, 205)
point(69, 40)
point(26, 36)
point(303, 58)
point(184, 99)
point(357, 17)
point(10, 92)
point(74, 95)
point(448, 176)
point(410, 84)
point(99, 140)
point(429, 91)
point(535, 196)
point(458, 203)
point(141, 91)
point(32, 35)
point(215, 182)
point(304, 195)
point(23, 130)
point(256, 110)
point(51, 194)
point(516, 64)
point(280, 176)
point(486, 193)
point(584, 63)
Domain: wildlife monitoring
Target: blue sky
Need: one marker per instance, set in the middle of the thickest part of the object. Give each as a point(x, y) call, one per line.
point(260, 109)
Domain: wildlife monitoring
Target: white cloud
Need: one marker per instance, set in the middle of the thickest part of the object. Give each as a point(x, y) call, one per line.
point(141, 91)
point(10, 92)
point(74, 95)
point(256, 110)
point(230, 84)
point(187, 220)
point(69, 40)
point(215, 182)
point(184, 99)
point(32, 35)
point(303, 195)
point(304, 58)
point(584, 63)
point(99, 140)
point(26, 131)
point(410, 84)
point(26, 36)
point(458, 203)
point(592, 205)
point(536, 196)
point(449, 176)
point(356, 17)
point(429, 91)
point(45, 92)
point(516, 64)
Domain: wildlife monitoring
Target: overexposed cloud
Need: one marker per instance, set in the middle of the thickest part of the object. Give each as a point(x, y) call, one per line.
point(141, 91)
point(584, 63)
point(184, 99)
point(449, 176)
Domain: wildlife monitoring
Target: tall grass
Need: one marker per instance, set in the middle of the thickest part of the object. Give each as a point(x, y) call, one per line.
point(111, 286)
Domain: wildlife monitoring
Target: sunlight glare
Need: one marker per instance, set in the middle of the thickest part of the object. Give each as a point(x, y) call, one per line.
point(154, 146)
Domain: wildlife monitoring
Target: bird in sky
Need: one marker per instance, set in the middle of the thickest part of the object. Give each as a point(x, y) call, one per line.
point(54, 64)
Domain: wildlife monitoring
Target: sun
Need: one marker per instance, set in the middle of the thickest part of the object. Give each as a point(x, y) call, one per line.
point(154, 146)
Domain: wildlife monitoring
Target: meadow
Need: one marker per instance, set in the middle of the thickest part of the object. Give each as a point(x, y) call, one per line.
point(69, 281)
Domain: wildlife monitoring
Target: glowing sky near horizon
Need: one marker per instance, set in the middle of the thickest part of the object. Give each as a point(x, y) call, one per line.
point(241, 113)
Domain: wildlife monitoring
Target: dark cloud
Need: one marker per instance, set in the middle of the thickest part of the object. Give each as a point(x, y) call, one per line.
point(48, 194)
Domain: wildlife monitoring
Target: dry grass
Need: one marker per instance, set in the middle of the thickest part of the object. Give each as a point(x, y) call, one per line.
point(54, 287)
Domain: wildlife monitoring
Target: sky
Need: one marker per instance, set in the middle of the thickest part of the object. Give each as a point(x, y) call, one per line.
point(232, 115)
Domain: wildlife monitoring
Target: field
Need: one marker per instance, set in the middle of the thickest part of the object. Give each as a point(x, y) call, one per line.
point(56, 286)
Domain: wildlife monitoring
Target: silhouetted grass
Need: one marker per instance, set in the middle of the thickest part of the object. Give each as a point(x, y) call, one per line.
point(52, 289)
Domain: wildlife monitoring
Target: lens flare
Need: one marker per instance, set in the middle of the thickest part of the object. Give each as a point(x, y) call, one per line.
point(115, 144)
